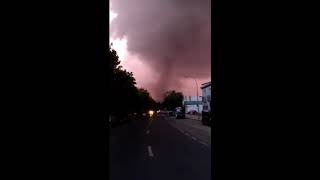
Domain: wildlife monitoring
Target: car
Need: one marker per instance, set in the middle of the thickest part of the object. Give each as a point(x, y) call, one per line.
point(180, 116)
point(114, 121)
point(143, 116)
point(206, 118)
point(180, 113)
point(171, 113)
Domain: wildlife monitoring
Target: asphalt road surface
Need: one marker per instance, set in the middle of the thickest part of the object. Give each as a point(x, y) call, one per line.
point(155, 150)
point(193, 128)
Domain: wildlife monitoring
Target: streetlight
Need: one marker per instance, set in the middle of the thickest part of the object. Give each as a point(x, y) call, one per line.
point(197, 90)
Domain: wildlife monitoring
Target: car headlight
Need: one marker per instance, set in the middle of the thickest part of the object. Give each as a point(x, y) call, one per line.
point(151, 112)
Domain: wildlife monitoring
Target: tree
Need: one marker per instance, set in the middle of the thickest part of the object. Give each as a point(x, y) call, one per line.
point(145, 102)
point(172, 100)
point(122, 91)
point(124, 96)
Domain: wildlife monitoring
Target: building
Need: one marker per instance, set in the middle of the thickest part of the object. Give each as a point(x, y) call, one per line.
point(206, 95)
point(190, 103)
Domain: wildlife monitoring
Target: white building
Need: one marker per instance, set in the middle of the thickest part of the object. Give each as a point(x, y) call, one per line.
point(206, 94)
point(190, 103)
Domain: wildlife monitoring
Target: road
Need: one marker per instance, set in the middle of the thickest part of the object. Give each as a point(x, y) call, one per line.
point(194, 129)
point(155, 150)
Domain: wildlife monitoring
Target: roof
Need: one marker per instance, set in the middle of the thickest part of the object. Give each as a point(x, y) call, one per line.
point(204, 85)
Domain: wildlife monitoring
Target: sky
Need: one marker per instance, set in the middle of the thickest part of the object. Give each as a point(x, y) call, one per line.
point(166, 44)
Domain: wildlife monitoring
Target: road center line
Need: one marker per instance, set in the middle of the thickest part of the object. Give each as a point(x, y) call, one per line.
point(149, 123)
point(150, 151)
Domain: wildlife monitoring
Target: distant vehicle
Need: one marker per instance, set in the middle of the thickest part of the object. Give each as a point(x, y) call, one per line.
point(115, 120)
point(180, 113)
point(192, 112)
point(151, 113)
point(143, 115)
point(130, 117)
point(171, 113)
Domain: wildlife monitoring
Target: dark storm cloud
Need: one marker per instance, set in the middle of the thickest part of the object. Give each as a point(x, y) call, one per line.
point(171, 36)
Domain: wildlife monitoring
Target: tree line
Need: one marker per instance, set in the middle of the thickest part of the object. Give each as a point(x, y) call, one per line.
point(125, 97)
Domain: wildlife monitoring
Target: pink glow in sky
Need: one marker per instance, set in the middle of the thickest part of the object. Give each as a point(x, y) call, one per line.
point(145, 76)
point(142, 73)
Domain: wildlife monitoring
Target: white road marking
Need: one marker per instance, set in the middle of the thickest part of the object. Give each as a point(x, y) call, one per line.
point(150, 151)
point(203, 143)
point(181, 130)
point(150, 122)
point(187, 134)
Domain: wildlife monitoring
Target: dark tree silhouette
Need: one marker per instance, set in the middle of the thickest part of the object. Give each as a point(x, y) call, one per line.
point(124, 97)
point(146, 102)
point(172, 100)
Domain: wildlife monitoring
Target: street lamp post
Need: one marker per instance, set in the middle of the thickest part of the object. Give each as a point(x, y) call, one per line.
point(197, 91)
point(197, 94)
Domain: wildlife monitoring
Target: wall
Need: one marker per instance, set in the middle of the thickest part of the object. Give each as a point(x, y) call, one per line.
point(192, 98)
point(193, 108)
point(206, 92)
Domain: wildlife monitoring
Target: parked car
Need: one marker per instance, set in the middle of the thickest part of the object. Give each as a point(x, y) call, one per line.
point(194, 112)
point(180, 113)
point(114, 120)
point(171, 113)
point(180, 116)
point(142, 115)
point(206, 118)
point(206, 114)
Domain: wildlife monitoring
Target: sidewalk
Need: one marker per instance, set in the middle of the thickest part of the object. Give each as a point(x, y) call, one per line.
point(194, 124)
